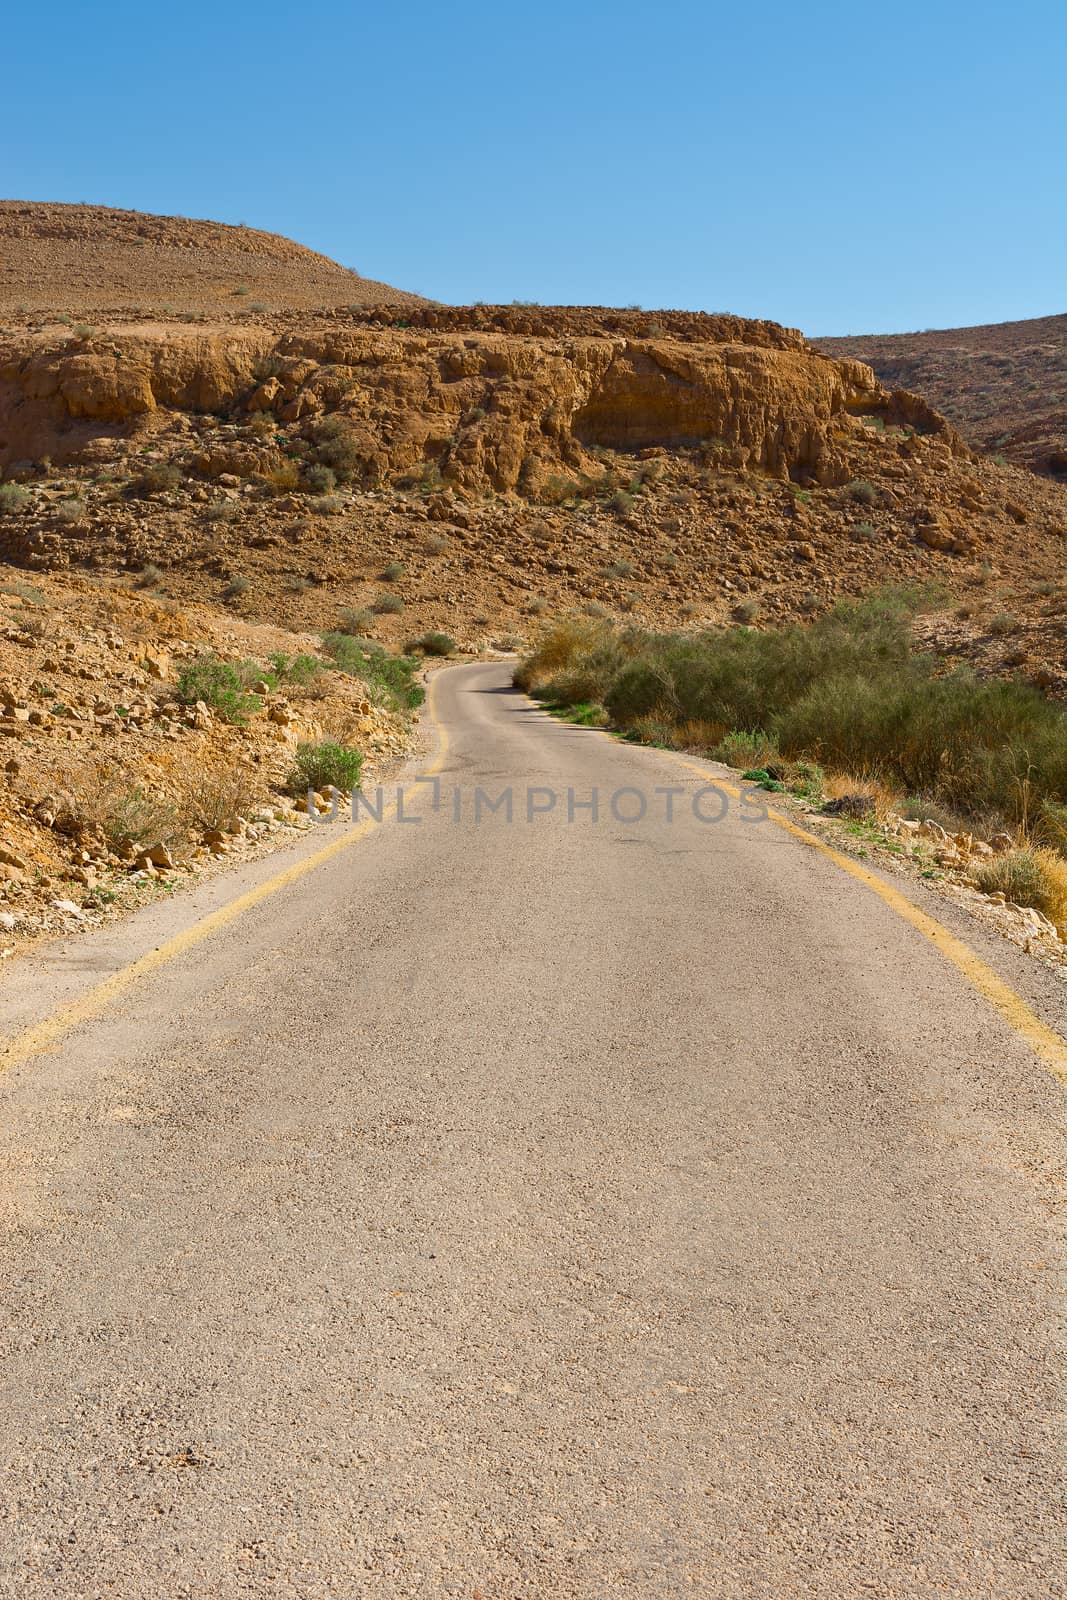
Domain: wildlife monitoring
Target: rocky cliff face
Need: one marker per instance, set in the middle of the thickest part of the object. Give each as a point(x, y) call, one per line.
point(489, 409)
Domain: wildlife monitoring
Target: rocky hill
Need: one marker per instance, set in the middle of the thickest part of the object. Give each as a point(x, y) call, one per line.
point(676, 467)
point(1003, 385)
point(88, 260)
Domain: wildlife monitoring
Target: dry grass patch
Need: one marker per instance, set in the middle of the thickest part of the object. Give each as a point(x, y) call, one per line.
point(1030, 876)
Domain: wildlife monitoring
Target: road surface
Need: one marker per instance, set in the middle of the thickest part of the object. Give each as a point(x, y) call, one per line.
point(554, 1208)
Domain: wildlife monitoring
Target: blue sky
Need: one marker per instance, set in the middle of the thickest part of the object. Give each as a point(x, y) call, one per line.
point(842, 168)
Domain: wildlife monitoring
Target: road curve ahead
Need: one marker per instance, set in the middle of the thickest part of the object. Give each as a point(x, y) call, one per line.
point(544, 1208)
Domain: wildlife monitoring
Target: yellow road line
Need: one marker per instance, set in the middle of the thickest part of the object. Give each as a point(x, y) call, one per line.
point(1048, 1045)
point(43, 1035)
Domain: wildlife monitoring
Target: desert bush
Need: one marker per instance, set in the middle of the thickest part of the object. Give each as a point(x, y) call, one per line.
point(1030, 876)
point(745, 750)
point(356, 620)
point(300, 671)
point(320, 478)
point(574, 661)
point(325, 764)
point(747, 611)
point(103, 796)
point(392, 571)
point(387, 604)
point(215, 798)
point(282, 479)
point(1004, 625)
point(849, 690)
point(148, 576)
point(620, 569)
point(13, 497)
point(220, 685)
point(222, 511)
point(433, 644)
point(390, 679)
point(864, 493)
point(328, 505)
point(70, 512)
point(236, 587)
point(338, 447)
point(436, 544)
point(158, 479)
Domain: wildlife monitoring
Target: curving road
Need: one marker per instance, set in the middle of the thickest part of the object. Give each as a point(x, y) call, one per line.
point(536, 1209)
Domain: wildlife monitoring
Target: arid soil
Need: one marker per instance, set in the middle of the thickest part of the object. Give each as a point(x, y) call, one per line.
point(1004, 385)
point(94, 741)
point(82, 260)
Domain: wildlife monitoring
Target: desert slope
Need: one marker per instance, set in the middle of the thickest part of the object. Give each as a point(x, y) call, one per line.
point(1004, 385)
point(85, 260)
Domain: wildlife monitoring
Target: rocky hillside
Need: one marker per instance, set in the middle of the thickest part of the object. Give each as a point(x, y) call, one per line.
point(1003, 385)
point(84, 261)
point(497, 462)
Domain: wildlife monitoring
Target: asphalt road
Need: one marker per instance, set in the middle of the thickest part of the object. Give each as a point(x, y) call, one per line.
point(548, 1208)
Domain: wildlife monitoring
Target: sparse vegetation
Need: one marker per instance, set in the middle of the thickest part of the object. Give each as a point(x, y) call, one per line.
point(356, 621)
point(328, 505)
point(320, 478)
point(1030, 876)
point(221, 686)
point(390, 679)
point(849, 690)
point(324, 765)
point(222, 511)
point(392, 571)
point(13, 497)
point(160, 478)
point(388, 604)
point(434, 644)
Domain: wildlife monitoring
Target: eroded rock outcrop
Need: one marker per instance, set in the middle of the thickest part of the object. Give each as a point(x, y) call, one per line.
point(497, 401)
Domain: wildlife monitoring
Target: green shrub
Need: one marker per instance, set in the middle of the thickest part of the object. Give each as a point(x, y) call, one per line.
point(325, 765)
point(388, 604)
point(392, 571)
point(300, 670)
point(221, 686)
point(849, 690)
point(434, 644)
point(390, 679)
point(13, 497)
